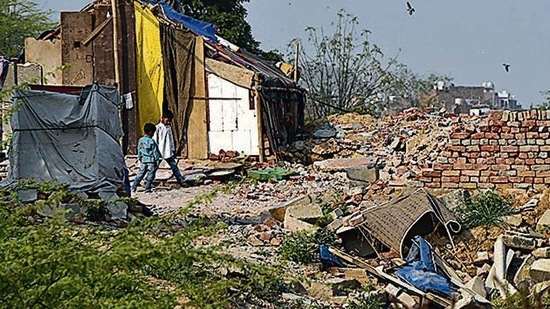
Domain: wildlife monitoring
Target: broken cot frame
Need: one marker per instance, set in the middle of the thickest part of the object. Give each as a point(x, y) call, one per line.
point(378, 273)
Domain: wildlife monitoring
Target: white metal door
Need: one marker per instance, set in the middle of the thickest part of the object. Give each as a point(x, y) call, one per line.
point(233, 124)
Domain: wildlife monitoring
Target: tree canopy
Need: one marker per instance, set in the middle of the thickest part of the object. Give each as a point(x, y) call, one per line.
point(230, 18)
point(20, 19)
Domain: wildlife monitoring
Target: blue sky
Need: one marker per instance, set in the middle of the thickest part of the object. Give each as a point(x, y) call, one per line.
point(467, 39)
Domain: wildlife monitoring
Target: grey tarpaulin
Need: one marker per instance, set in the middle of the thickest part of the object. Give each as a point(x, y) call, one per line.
point(68, 138)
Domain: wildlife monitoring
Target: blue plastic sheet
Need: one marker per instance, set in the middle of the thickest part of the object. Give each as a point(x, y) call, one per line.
point(196, 26)
point(328, 259)
point(421, 272)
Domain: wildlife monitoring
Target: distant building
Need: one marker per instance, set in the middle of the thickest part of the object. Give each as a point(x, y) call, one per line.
point(462, 99)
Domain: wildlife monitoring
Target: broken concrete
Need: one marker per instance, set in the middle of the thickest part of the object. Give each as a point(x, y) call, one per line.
point(293, 224)
point(401, 296)
point(544, 221)
point(519, 242)
point(541, 252)
point(343, 164)
point(477, 285)
point(363, 173)
point(327, 289)
point(279, 211)
point(540, 270)
point(27, 196)
point(523, 272)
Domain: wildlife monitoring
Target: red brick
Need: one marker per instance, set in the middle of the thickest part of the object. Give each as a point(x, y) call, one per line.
point(433, 185)
point(461, 166)
point(488, 173)
point(547, 161)
point(460, 135)
point(506, 130)
point(528, 180)
point(545, 135)
point(500, 167)
point(538, 180)
point(507, 136)
point(497, 123)
point(442, 167)
point(515, 179)
point(532, 135)
point(491, 160)
point(450, 185)
point(509, 148)
point(431, 173)
point(498, 179)
point(530, 162)
point(514, 130)
point(545, 148)
point(455, 179)
point(547, 180)
point(523, 155)
point(491, 135)
point(504, 186)
point(480, 166)
point(539, 161)
point(501, 161)
point(490, 148)
point(484, 179)
point(426, 179)
point(445, 179)
point(528, 123)
point(477, 136)
point(519, 136)
point(529, 148)
point(495, 129)
point(450, 173)
point(455, 148)
point(461, 160)
point(526, 173)
point(495, 115)
point(484, 128)
point(468, 185)
point(475, 155)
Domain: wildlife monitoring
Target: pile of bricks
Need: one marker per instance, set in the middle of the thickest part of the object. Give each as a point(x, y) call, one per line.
point(510, 149)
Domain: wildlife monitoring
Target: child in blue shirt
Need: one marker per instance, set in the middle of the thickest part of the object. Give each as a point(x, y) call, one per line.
point(149, 158)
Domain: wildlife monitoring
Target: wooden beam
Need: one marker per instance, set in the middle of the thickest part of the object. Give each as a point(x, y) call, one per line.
point(96, 31)
point(380, 274)
point(197, 131)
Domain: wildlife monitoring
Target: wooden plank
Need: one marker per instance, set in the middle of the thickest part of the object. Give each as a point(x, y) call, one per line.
point(127, 43)
point(76, 26)
point(373, 271)
point(238, 76)
point(197, 144)
point(96, 31)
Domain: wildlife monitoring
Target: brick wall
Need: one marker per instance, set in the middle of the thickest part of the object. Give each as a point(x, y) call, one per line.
point(509, 150)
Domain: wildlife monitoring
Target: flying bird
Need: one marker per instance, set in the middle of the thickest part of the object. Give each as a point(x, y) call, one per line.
point(506, 67)
point(410, 8)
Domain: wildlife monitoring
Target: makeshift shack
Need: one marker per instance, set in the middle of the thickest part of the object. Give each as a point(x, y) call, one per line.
point(223, 97)
point(68, 138)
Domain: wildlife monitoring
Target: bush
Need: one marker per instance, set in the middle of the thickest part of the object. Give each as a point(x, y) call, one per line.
point(485, 209)
point(56, 264)
point(298, 247)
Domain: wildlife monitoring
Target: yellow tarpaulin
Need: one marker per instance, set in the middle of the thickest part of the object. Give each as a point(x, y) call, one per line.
point(150, 73)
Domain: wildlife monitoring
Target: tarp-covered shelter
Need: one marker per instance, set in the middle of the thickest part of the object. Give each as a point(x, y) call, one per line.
point(68, 138)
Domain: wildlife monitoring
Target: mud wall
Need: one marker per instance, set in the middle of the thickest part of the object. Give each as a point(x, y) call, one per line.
point(510, 150)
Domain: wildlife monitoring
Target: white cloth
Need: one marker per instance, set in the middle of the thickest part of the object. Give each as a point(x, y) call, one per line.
point(165, 140)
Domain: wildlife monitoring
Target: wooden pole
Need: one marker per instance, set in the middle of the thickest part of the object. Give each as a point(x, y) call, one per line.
point(259, 118)
point(296, 61)
point(116, 58)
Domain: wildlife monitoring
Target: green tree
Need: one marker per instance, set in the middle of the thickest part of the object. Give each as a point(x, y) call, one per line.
point(413, 89)
point(230, 18)
point(20, 19)
point(344, 70)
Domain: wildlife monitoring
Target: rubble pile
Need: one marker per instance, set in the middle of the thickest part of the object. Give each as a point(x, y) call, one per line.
point(398, 146)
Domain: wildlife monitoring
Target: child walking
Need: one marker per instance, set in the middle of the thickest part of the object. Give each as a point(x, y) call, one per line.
point(165, 141)
point(149, 158)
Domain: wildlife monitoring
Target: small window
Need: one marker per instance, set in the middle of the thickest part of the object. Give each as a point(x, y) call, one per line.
point(76, 44)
